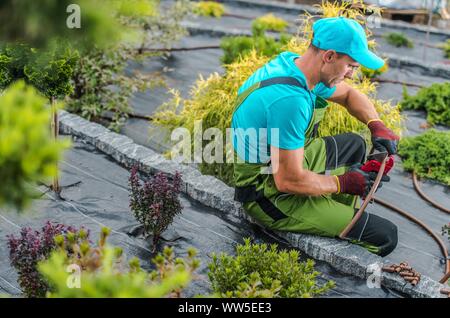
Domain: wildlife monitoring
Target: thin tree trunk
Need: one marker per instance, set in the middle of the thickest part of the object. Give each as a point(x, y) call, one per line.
point(55, 131)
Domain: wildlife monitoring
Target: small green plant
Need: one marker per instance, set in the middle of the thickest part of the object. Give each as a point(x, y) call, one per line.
point(427, 155)
point(239, 46)
point(26, 251)
point(446, 48)
point(269, 22)
point(435, 100)
point(28, 152)
point(209, 9)
point(167, 265)
point(259, 270)
point(101, 272)
point(155, 203)
point(235, 47)
point(398, 39)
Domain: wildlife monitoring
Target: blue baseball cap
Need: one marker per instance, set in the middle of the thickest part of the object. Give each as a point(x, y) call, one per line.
point(345, 36)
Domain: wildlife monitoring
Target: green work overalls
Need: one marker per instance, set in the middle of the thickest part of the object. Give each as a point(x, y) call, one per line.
point(325, 215)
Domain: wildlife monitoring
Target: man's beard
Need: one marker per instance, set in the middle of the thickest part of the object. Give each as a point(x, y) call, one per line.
point(329, 84)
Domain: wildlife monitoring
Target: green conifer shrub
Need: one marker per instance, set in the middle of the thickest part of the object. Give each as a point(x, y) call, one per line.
point(259, 270)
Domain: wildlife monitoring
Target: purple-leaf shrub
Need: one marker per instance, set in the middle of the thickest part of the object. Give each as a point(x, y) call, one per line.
point(30, 248)
point(155, 202)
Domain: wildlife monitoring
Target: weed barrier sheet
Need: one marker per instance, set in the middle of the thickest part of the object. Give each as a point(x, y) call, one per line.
point(102, 200)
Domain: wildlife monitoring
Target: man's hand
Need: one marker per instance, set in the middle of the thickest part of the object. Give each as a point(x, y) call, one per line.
point(383, 138)
point(357, 182)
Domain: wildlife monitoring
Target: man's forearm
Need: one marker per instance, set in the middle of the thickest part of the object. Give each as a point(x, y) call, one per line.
point(310, 183)
point(359, 106)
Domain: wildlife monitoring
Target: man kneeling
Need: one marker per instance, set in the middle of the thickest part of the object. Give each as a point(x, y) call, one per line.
point(315, 183)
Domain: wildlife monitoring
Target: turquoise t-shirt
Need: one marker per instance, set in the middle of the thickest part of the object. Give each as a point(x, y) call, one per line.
point(276, 115)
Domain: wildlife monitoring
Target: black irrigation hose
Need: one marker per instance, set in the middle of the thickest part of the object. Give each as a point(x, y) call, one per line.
point(438, 206)
point(425, 197)
point(194, 48)
point(382, 80)
point(371, 196)
point(130, 115)
point(238, 16)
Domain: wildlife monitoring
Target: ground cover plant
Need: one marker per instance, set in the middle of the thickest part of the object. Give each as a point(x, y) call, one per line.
point(427, 155)
point(434, 99)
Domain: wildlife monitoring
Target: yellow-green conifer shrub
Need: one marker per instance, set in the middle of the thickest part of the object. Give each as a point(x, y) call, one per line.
point(28, 151)
point(270, 22)
point(100, 272)
point(209, 9)
point(374, 73)
point(212, 99)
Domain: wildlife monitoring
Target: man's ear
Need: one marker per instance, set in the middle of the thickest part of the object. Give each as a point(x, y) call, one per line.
point(329, 56)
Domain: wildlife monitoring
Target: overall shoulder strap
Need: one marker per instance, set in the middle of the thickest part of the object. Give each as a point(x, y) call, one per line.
point(285, 80)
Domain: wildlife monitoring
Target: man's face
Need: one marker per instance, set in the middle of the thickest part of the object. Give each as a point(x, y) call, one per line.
point(336, 68)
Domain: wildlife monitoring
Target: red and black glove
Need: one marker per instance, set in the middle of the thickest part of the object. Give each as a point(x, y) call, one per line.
point(358, 182)
point(383, 139)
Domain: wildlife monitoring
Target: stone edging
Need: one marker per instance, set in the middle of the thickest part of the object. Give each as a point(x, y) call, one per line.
point(428, 69)
point(210, 191)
